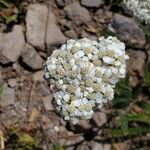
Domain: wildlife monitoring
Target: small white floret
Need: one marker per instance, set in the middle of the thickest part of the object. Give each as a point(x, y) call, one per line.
point(108, 60)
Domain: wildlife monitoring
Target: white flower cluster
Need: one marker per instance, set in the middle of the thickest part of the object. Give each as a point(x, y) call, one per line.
point(84, 74)
point(140, 8)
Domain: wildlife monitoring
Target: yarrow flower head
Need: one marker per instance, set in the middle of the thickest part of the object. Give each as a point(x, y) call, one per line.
point(140, 8)
point(83, 74)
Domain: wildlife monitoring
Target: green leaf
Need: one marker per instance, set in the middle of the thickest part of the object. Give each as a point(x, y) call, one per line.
point(134, 131)
point(12, 18)
point(146, 77)
point(13, 138)
point(140, 117)
point(26, 139)
point(123, 121)
point(20, 141)
point(58, 147)
point(145, 106)
point(106, 32)
point(123, 94)
point(6, 3)
point(16, 2)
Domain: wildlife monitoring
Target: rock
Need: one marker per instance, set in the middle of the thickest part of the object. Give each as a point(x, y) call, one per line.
point(12, 82)
point(83, 146)
point(99, 118)
point(62, 3)
point(31, 58)
point(77, 13)
point(73, 140)
point(136, 109)
point(134, 81)
point(3, 27)
point(47, 101)
point(128, 30)
point(89, 36)
point(65, 23)
point(43, 54)
point(99, 146)
point(71, 34)
point(54, 36)
point(34, 114)
point(8, 97)
point(38, 76)
point(90, 3)
point(43, 89)
point(84, 124)
point(11, 45)
point(136, 62)
point(101, 18)
point(36, 20)
point(121, 146)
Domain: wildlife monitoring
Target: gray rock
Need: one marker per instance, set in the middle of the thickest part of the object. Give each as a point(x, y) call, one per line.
point(136, 62)
point(121, 146)
point(92, 3)
point(11, 45)
point(31, 58)
point(85, 124)
point(36, 19)
point(83, 146)
point(62, 3)
point(77, 13)
point(128, 30)
point(8, 97)
point(38, 76)
point(3, 27)
point(43, 89)
point(34, 115)
point(71, 34)
point(12, 82)
point(99, 146)
point(47, 101)
point(99, 118)
point(54, 36)
point(135, 66)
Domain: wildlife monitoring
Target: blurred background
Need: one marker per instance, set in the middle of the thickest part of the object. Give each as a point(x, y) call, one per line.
point(29, 31)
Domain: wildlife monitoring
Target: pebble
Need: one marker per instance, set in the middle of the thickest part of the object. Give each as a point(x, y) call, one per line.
point(99, 146)
point(128, 30)
point(62, 3)
point(92, 3)
point(12, 82)
point(43, 89)
point(36, 19)
point(31, 58)
point(54, 36)
point(99, 118)
point(11, 41)
point(47, 101)
point(77, 13)
point(8, 97)
point(136, 62)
